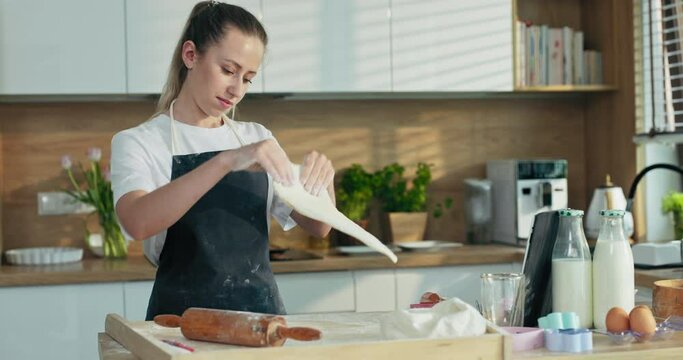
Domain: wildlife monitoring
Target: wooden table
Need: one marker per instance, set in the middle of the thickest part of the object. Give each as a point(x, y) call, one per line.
point(345, 336)
point(362, 342)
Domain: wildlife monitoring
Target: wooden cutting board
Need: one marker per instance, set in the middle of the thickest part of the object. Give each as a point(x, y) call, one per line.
point(345, 336)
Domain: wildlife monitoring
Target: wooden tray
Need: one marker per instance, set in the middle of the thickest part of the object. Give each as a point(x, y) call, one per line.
point(345, 336)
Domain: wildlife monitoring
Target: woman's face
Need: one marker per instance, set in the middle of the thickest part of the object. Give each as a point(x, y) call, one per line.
point(219, 78)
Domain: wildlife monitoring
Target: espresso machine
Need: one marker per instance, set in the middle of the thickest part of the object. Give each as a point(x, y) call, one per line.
point(520, 190)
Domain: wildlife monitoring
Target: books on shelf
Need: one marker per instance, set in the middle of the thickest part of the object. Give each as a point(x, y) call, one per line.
point(554, 56)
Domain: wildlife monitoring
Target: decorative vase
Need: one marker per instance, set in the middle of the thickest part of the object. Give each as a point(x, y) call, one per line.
point(114, 243)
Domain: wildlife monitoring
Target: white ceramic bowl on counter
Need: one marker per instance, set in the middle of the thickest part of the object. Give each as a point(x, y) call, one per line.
point(43, 255)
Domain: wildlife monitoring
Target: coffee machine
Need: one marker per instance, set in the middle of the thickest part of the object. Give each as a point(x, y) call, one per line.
point(520, 190)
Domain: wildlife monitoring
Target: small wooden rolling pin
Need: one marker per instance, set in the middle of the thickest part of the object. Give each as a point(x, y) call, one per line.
point(236, 327)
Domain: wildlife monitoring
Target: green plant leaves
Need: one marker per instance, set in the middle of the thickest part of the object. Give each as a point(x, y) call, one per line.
point(355, 192)
point(97, 192)
point(388, 185)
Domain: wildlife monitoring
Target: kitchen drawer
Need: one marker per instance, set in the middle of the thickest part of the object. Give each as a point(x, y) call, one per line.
point(317, 292)
point(55, 322)
point(449, 281)
point(135, 299)
point(375, 290)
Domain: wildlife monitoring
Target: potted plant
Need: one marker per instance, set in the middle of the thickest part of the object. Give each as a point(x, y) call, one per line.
point(673, 203)
point(405, 206)
point(354, 194)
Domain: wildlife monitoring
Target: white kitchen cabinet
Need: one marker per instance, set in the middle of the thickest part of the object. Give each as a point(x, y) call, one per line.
point(153, 29)
point(55, 322)
point(327, 45)
point(62, 47)
point(449, 281)
point(375, 290)
point(136, 298)
point(301, 293)
point(317, 292)
point(452, 45)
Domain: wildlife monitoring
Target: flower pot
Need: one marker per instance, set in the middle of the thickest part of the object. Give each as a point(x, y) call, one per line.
point(401, 227)
point(667, 298)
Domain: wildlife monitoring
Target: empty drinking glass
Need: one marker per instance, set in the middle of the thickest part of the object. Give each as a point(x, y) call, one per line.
point(502, 298)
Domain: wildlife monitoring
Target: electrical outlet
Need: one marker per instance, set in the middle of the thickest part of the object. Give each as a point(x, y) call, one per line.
point(59, 203)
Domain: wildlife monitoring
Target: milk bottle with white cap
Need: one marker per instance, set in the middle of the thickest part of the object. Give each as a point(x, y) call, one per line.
point(613, 272)
point(572, 268)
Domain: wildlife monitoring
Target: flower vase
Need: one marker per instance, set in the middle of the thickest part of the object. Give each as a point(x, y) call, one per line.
point(114, 243)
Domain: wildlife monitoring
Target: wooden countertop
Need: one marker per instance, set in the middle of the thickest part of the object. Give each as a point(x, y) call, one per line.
point(647, 278)
point(138, 268)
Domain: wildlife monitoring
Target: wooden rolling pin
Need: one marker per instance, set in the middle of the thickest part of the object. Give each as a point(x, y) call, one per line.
point(236, 327)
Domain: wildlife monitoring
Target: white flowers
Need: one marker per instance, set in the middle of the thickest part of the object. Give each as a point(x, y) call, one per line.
point(66, 162)
point(94, 154)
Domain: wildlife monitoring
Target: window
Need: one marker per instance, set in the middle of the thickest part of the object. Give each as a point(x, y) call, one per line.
point(659, 69)
point(659, 103)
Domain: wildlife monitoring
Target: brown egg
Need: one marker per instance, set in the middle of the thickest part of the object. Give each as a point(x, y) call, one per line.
point(617, 320)
point(642, 321)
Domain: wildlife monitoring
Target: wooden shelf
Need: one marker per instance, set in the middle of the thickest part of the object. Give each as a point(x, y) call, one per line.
point(567, 88)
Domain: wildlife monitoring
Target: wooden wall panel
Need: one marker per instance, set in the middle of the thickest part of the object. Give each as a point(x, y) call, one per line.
point(611, 117)
point(555, 13)
point(457, 136)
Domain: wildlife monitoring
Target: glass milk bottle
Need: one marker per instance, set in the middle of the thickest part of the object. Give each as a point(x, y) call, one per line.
point(613, 274)
point(571, 269)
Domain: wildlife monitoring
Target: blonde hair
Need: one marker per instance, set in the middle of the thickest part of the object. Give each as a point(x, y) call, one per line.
point(206, 26)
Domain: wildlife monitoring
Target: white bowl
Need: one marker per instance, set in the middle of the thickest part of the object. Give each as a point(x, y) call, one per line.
point(43, 255)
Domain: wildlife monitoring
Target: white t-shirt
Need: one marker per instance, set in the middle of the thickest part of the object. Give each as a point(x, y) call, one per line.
point(141, 160)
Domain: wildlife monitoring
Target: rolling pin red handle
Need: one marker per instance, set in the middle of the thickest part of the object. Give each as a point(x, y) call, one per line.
point(298, 333)
point(167, 320)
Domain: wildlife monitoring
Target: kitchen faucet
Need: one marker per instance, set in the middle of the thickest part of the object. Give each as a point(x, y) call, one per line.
point(634, 185)
point(632, 191)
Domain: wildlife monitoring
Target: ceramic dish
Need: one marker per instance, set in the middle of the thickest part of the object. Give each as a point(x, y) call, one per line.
point(428, 245)
point(43, 255)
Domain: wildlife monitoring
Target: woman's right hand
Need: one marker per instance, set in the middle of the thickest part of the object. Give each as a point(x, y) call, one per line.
point(264, 155)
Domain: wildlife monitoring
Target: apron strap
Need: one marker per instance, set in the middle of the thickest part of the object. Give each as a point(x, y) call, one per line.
point(225, 119)
point(173, 136)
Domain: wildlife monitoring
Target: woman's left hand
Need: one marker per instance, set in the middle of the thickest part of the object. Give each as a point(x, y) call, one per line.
point(317, 173)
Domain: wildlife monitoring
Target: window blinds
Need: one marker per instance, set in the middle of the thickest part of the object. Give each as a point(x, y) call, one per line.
point(659, 52)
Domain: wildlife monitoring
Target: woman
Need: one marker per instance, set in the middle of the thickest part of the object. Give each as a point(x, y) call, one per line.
point(197, 184)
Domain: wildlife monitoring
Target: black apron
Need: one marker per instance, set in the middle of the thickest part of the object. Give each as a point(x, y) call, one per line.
point(216, 256)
